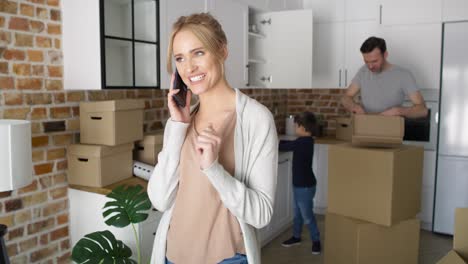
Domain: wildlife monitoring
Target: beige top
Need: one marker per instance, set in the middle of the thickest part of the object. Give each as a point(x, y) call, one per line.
point(202, 230)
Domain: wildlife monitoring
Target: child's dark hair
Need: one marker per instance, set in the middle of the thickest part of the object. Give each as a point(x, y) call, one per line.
point(307, 120)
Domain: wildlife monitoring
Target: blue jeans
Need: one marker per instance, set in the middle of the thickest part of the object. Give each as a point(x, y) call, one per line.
point(303, 212)
point(237, 259)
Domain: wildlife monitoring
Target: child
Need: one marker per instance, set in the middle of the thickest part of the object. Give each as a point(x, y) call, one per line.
point(304, 182)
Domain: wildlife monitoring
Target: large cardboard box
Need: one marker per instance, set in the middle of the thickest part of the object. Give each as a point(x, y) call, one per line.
point(451, 258)
point(377, 130)
point(460, 234)
point(352, 241)
point(147, 150)
point(379, 185)
point(98, 166)
point(344, 129)
point(111, 123)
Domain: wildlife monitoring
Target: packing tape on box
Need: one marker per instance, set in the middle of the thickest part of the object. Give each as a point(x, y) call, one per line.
point(142, 170)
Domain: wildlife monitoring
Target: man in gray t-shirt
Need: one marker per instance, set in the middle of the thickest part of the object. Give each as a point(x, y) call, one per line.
point(383, 86)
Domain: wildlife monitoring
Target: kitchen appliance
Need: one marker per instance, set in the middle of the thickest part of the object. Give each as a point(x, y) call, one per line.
point(452, 157)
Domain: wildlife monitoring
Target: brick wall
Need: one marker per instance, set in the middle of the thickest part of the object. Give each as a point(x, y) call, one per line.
point(31, 88)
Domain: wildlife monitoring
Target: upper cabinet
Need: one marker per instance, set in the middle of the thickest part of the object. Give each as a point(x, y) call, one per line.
point(281, 5)
point(120, 40)
point(327, 11)
point(454, 10)
point(398, 12)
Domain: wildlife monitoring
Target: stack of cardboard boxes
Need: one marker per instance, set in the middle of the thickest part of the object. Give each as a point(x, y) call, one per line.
point(459, 254)
point(374, 190)
point(108, 130)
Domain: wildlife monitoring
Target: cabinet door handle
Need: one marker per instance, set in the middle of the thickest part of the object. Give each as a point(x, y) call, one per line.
point(380, 14)
point(346, 78)
point(283, 161)
point(339, 78)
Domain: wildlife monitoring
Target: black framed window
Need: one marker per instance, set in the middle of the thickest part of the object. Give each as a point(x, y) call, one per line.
point(130, 45)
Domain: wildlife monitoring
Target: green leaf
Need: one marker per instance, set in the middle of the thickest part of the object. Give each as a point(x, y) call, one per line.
point(129, 205)
point(101, 247)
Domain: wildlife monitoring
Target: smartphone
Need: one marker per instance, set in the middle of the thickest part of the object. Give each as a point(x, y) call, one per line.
point(179, 97)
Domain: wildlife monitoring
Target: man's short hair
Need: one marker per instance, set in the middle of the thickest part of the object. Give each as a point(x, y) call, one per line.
point(373, 42)
point(307, 120)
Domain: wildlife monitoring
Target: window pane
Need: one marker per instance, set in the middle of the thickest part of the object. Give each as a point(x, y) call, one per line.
point(119, 64)
point(146, 64)
point(118, 18)
point(145, 20)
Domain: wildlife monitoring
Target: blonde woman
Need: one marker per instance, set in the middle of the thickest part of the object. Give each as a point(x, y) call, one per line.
point(215, 179)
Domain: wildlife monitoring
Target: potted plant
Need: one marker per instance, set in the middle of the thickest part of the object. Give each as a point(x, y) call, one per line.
point(129, 206)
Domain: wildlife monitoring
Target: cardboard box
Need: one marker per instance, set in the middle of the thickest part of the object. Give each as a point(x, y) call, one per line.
point(98, 166)
point(379, 185)
point(377, 130)
point(451, 258)
point(460, 234)
point(147, 150)
point(111, 123)
point(344, 129)
point(351, 241)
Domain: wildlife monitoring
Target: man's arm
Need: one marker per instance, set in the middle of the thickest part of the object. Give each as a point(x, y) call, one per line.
point(348, 99)
point(418, 109)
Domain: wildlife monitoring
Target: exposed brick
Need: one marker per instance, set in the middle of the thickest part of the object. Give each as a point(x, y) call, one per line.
point(55, 57)
point(62, 140)
point(42, 13)
point(15, 233)
point(54, 126)
point(54, 29)
point(38, 155)
point(62, 219)
point(75, 96)
point(43, 42)
point(96, 95)
point(53, 2)
point(55, 15)
point(22, 69)
point(54, 85)
point(59, 98)
point(27, 10)
point(13, 98)
point(44, 253)
point(8, 7)
point(16, 113)
point(3, 67)
point(40, 226)
point(12, 54)
point(7, 220)
point(23, 40)
point(36, 128)
point(2, 21)
point(38, 98)
point(45, 181)
point(59, 233)
point(19, 23)
point(53, 154)
point(35, 55)
point(62, 165)
point(22, 259)
point(58, 193)
point(38, 113)
point(37, 1)
point(59, 179)
point(38, 70)
point(28, 244)
point(60, 112)
point(35, 199)
point(40, 141)
point(7, 83)
point(65, 258)
point(43, 168)
point(73, 124)
point(37, 27)
point(44, 239)
point(76, 111)
point(55, 71)
point(29, 84)
point(12, 250)
point(5, 38)
point(57, 44)
point(30, 188)
point(13, 205)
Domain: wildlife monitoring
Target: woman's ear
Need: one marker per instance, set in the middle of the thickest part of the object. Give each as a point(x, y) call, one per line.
point(225, 52)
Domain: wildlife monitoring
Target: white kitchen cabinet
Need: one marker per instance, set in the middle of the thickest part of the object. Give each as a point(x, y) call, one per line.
point(261, 5)
point(282, 210)
point(337, 57)
point(454, 10)
point(86, 208)
point(327, 11)
point(283, 44)
point(398, 12)
point(280, 5)
point(320, 168)
point(428, 189)
point(233, 17)
point(120, 54)
point(416, 48)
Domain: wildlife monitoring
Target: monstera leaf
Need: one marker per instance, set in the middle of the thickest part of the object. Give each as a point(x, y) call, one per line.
point(101, 248)
point(129, 206)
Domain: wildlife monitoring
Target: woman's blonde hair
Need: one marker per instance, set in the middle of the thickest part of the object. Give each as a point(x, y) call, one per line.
point(206, 28)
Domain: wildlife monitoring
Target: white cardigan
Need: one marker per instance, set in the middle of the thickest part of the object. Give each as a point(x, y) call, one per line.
point(249, 195)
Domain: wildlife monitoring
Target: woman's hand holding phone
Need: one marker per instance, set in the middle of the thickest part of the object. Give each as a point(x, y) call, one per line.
point(178, 114)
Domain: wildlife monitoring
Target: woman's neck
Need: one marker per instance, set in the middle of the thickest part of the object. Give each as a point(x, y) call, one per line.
point(216, 100)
